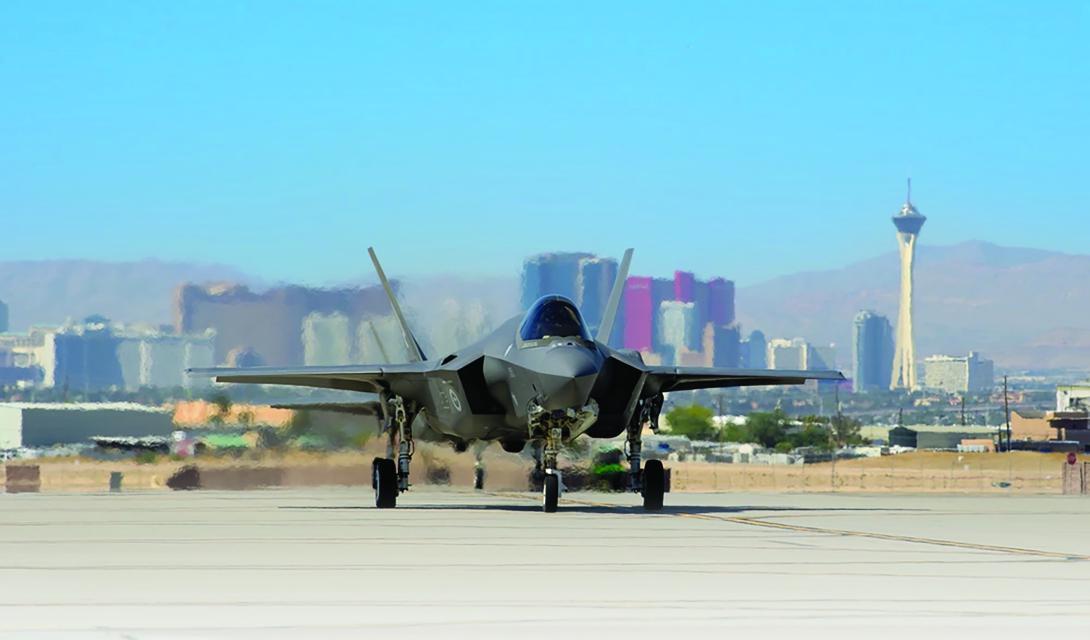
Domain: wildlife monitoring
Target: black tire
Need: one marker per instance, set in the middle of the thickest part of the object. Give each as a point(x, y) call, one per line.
point(384, 480)
point(550, 493)
point(654, 485)
point(478, 478)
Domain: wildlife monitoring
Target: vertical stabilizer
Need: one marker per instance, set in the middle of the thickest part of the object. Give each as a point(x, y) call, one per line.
point(413, 347)
point(606, 328)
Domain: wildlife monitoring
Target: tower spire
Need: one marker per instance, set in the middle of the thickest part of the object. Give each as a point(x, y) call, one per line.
point(908, 224)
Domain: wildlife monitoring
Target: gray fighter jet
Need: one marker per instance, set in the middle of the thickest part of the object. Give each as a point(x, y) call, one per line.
point(540, 378)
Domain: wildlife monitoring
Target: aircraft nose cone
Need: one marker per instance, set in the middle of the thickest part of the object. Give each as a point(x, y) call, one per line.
point(567, 377)
point(570, 362)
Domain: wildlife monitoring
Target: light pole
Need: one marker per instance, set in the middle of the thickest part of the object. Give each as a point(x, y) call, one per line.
point(1007, 413)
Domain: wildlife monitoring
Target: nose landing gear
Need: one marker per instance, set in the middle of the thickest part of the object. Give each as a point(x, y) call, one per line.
point(547, 433)
point(553, 485)
point(550, 493)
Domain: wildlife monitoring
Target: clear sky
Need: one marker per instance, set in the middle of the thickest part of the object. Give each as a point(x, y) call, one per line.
point(743, 139)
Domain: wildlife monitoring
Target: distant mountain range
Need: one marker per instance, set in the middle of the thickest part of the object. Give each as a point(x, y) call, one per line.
point(447, 310)
point(1025, 308)
point(51, 291)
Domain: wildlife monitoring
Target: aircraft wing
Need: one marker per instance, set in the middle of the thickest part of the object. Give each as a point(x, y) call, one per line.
point(373, 408)
point(362, 377)
point(665, 379)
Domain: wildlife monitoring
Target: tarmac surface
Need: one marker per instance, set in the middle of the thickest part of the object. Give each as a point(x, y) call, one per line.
point(321, 563)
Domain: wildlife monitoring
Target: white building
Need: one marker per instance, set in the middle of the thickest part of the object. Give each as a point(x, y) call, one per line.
point(798, 354)
point(327, 339)
point(150, 358)
point(787, 354)
point(958, 374)
point(1073, 397)
point(677, 326)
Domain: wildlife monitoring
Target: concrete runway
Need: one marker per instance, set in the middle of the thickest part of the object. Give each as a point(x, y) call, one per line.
point(322, 564)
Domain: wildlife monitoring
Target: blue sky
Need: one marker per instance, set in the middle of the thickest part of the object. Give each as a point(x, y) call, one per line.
point(743, 139)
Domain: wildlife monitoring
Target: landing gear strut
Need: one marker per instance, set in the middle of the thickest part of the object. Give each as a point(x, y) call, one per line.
point(650, 482)
point(388, 478)
point(547, 432)
point(478, 467)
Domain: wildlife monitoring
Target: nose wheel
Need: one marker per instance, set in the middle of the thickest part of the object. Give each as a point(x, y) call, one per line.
point(546, 452)
point(551, 491)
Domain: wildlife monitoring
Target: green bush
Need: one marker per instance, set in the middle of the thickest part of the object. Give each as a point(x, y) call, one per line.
point(606, 469)
point(146, 457)
point(694, 421)
point(608, 477)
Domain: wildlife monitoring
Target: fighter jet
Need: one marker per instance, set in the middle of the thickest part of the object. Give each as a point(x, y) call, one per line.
point(540, 378)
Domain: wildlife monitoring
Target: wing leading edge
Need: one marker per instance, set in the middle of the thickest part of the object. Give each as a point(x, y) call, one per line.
point(666, 379)
point(367, 378)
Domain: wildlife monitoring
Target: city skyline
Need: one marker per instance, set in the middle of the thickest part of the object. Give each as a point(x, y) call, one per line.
point(812, 305)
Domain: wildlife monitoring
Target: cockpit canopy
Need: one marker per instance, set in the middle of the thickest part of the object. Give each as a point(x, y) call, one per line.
point(553, 317)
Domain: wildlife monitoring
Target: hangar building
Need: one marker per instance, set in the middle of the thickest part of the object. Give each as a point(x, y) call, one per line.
point(30, 424)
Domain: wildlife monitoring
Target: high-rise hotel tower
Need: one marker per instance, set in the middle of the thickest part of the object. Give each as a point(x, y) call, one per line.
point(908, 223)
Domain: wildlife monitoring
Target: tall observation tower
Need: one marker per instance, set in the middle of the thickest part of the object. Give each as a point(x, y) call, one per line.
point(908, 223)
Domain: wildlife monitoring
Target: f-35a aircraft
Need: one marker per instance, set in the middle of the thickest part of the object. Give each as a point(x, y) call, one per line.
point(540, 378)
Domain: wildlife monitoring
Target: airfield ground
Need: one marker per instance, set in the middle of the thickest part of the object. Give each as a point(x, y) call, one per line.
point(320, 563)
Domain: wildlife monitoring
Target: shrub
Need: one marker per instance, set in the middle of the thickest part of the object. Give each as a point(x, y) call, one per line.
point(146, 457)
point(694, 421)
point(608, 477)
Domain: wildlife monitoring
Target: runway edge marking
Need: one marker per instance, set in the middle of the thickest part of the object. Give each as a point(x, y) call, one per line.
point(889, 537)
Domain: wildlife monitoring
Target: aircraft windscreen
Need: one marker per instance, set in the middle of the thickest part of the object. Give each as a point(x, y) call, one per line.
point(553, 317)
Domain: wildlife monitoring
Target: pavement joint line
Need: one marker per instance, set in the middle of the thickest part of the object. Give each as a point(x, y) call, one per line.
point(889, 537)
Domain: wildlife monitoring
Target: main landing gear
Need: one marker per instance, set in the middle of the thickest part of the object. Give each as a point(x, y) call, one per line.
point(650, 482)
point(387, 478)
point(384, 480)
